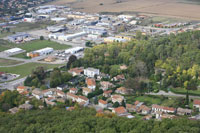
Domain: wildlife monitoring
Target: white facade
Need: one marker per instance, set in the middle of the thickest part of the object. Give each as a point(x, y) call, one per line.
point(13, 50)
point(44, 51)
point(72, 36)
point(91, 72)
point(74, 50)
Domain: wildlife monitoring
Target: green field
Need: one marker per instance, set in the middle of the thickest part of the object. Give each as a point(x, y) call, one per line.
point(26, 69)
point(38, 44)
point(7, 62)
point(184, 91)
point(4, 45)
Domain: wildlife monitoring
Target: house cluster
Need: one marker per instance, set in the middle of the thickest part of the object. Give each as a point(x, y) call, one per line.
point(25, 106)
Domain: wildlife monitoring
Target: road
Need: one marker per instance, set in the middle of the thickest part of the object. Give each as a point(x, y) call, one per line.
point(11, 85)
point(171, 94)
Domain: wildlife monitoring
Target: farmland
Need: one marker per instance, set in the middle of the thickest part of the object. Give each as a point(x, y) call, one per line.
point(169, 8)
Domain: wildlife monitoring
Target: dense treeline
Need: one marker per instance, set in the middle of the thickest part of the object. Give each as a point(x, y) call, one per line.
point(85, 120)
point(173, 60)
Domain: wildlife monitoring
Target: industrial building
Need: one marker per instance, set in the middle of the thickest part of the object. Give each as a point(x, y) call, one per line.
point(72, 36)
point(95, 30)
point(54, 29)
point(74, 50)
point(44, 51)
point(14, 51)
point(19, 37)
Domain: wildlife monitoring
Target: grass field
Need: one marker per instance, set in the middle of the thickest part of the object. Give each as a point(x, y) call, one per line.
point(22, 27)
point(38, 44)
point(4, 45)
point(26, 69)
point(7, 62)
point(184, 91)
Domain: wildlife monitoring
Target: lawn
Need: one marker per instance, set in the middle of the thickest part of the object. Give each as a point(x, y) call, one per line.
point(7, 62)
point(4, 45)
point(26, 69)
point(184, 91)
point(38, 44)
point(149, 100)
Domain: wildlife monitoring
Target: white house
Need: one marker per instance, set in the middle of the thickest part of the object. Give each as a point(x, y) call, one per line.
point(73, 90)
point(91, 72)
point(103, 104)
point(86, 91)
point(37, 93)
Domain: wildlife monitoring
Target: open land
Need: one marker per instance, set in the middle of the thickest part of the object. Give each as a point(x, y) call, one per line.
point(25, 69)
point(169, 8)
point(7, 62)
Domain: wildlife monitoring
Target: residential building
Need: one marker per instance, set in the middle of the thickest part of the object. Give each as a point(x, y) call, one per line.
point(91, 83)
point(60, 93)
point(61, 87)
point(86, 91)
point(122, 90)
point(196, 104)
point(106, 85)
point(37, 93)
point(129, 107)
point(72, 97)
point(156, 108)
point(143, 109)
point(107, 93)
point(73, 90)
point(119, 78)
point(181, 111)
point(91, 72)
point(83, 100)
point(48, 92)
point(76, 71)
point(14, 110)
point(119, 111)
point(103, 104)
point(26, 106)
point(21, 88)
point(117, 98)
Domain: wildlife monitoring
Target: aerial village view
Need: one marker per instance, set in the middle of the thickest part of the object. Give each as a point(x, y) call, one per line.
point(132, 67)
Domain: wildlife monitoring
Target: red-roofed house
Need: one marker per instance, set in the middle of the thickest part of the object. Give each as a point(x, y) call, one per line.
point(107, 93)
point(103, 104)
point(119, 111)
point(117, 98)
point(105, 85)
point(91, 83)
point(76, 71)
point(72, 97)
point(196, 104)
point(60, 93)
point(20, 89)
point(83, 100)
point(121, 90)
point(156, 108)
point(86, 91)
point(73, 90)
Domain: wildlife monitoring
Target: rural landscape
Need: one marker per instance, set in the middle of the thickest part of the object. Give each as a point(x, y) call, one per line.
point(100, 66)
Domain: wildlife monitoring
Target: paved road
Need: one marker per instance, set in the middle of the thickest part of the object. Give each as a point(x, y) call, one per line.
point(11, 85)
point(170, 94)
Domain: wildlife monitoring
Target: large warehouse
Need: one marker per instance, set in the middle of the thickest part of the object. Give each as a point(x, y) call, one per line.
point(44, 51)
point(74, 50)
point(14, 51)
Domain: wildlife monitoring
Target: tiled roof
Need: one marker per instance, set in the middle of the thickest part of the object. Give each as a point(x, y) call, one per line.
point(83, 98)
point(73, 89)
point(108, 91)
point(120, 110)
point(196, 102)
point(102, 101)
point(90, 82)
